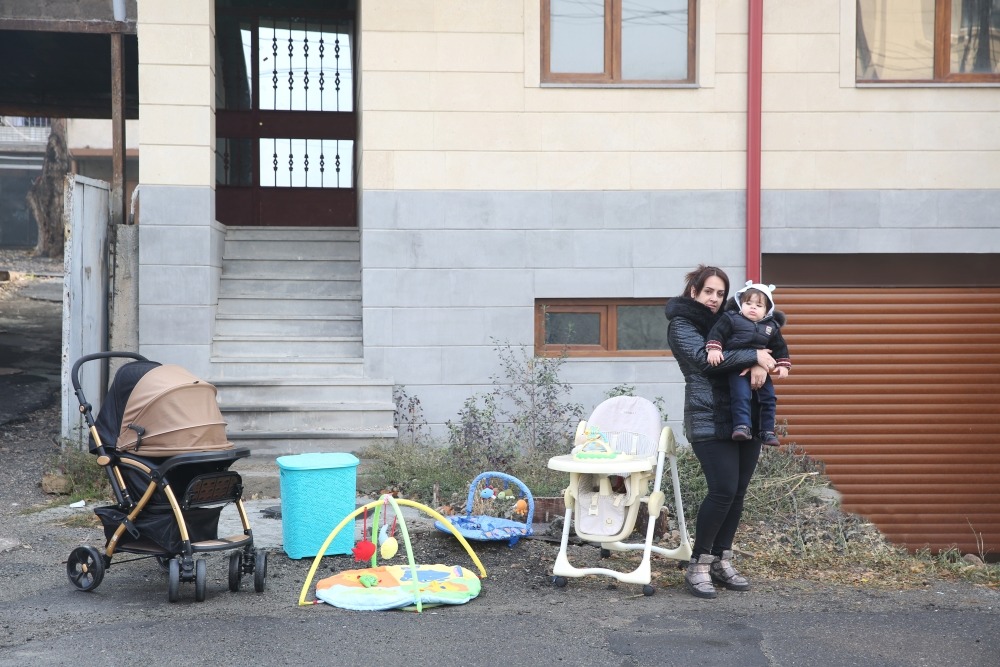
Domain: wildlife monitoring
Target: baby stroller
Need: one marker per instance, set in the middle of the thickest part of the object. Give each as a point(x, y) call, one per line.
point(616, 455)
point(162, 441)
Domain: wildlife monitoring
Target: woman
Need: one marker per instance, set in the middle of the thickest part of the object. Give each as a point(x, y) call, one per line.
point(727, 464)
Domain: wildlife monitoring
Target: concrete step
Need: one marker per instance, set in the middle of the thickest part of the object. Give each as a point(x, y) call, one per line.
point(302, 269)
point(346, 286)
point(275, 391)
point(290, 325)
point(311, 305)
point(266, 446)
point(329, 347)
point(315, 417)
point(290, 368)
point(292, 250)
point(298, 234)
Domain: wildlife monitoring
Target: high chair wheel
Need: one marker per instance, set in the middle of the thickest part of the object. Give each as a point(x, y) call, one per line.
point(648, 590)
point(173, 579)
point(605, 553)
point(260, 571)
point(85, 568)
point(235, 570)
point(559, 582)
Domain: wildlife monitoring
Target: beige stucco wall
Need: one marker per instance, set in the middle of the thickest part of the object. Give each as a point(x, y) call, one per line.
point(96, 134)
point(820, 130)
point(176, 83)
point(451, 100)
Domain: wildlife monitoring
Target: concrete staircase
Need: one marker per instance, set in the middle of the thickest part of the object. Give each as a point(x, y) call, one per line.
point(287, 354)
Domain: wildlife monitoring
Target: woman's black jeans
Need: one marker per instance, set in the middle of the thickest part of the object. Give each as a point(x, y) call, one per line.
point(728, 466)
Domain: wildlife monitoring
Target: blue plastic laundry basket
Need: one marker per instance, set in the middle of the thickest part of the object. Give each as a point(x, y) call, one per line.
point(317, 492)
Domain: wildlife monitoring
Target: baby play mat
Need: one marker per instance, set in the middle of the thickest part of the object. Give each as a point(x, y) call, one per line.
point(391, 587)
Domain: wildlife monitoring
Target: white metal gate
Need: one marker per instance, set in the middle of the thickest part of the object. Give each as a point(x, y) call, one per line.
point(87, 217)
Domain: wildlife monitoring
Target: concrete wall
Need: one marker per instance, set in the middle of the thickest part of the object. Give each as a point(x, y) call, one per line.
point(180, 244)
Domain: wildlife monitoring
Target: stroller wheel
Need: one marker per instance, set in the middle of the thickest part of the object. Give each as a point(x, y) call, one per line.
point(260, 570)
point(559, 582)
point(235, 570)
point(85, 568)
point(200, 580)
point(648, 590)
point(173, 579)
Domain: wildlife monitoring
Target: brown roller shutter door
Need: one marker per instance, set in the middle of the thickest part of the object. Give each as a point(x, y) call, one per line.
point(897, 391)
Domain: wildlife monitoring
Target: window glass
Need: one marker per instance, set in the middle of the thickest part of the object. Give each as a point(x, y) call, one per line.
point(572, 328)
point(232, 44)
point(975, 36)
point(304, 66)
point(233, 161)
point(306, 163)
point(654, 39)
point(577, 36)
point(641, 328)
point(895, 40)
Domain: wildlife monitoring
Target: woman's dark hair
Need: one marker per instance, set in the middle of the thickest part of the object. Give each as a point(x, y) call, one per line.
point(696, 280)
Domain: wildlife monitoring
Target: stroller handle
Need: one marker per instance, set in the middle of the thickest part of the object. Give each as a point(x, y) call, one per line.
point(74, 374)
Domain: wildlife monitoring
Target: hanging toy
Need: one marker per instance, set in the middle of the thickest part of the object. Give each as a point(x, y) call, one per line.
point(387, 543)
point(389, 547)
point(364, 549)
point(521, 507)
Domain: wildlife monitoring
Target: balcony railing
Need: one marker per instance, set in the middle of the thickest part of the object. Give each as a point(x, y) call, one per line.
point(24, 130)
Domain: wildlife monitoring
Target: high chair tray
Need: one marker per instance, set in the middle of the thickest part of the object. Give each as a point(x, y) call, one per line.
point(618, 464)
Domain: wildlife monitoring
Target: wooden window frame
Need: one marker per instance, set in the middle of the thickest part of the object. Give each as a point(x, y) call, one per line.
point(608, 311)
point(612, 74)
point(942, 54)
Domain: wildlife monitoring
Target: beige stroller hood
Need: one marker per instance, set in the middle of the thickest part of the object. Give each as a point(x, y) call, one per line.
point(177, 412)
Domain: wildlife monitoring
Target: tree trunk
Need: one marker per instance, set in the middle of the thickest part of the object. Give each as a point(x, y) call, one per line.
point(45, 199)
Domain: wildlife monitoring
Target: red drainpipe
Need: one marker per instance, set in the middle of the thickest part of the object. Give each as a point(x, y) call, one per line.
point(755, 39)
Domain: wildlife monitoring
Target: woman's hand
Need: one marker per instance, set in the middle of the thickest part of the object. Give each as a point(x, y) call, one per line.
point(765, 359)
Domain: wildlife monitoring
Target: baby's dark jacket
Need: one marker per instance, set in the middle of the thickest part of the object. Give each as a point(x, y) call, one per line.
point(733, 331)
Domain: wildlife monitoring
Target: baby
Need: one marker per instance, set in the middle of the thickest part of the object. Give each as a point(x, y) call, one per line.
point(750, 320)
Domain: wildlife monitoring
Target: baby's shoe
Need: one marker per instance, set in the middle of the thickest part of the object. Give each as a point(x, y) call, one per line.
point(742, 432)
point(769, 439)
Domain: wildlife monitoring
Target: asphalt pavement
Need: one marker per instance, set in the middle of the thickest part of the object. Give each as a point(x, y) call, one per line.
point(30, 347)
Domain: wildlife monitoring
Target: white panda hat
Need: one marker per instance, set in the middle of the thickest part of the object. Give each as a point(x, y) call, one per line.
point(766, 289)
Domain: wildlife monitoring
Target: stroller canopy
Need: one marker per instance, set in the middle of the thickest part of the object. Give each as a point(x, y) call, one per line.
point(177, 412)
point(109, 420)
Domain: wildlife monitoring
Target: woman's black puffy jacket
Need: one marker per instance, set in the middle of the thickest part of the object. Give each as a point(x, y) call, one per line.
point(706, 388)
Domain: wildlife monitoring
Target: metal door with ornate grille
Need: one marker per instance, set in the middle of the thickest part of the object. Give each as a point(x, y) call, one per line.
point(285, 121)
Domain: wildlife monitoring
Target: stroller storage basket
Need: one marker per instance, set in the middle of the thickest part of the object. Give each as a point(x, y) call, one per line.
point(158, 532)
